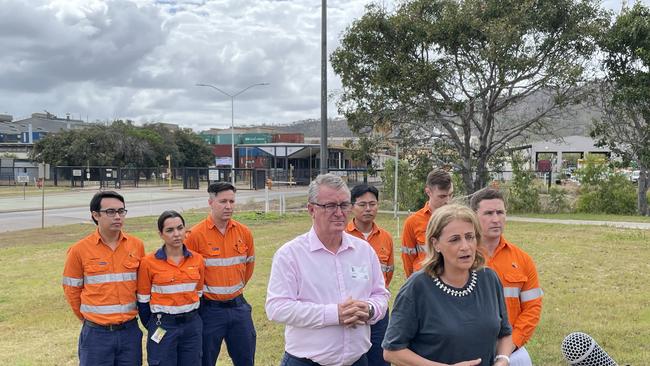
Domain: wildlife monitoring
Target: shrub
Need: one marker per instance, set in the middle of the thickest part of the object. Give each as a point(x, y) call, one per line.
point(613, 195)
point(523, 193)
point(558, 201)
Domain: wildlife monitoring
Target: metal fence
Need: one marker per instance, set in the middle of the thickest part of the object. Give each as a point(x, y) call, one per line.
point(114, 177)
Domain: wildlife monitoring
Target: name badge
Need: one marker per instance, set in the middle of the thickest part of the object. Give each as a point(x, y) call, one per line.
point(359, 273)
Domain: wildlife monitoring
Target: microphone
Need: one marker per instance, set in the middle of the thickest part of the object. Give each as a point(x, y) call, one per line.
point(579, 349)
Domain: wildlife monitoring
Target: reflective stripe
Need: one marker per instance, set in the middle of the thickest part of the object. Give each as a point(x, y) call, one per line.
point(74, 282)
point(144, 298)
point(110, 277)
point(531, 294)
point(218, 290)
point(108, 309)
point(385, 268)
point(250, 259)
point(223, 262)
point(408, 250)
point(174, 309)
point(174, 289)
point(421, 249)
point(511, 291)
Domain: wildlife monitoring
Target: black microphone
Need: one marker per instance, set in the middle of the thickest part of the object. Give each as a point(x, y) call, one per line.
point(579, 349)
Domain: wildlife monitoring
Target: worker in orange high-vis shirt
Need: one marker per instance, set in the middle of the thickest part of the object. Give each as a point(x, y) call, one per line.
point(99, 282)
point(439, 190)
point(515, 269)
point(170, 284)
point(365, 204)
point(229, 255)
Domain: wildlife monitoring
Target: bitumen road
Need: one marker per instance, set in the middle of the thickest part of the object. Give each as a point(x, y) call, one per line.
point(62, 208)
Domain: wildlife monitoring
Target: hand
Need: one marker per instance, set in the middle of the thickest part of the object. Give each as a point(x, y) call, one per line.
point(353, 313)
point(469, 363)
point(500, 362)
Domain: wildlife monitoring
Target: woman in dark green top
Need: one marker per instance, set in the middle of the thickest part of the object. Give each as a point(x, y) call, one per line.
point(452, 312)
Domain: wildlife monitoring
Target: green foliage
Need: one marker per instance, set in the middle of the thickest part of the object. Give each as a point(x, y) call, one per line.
point(594, 171)
point(123, 144)
point(411, 181)
point(558, 201)
point(614, 194)
point(457, 72)
point(523, 195)
point(625, 93)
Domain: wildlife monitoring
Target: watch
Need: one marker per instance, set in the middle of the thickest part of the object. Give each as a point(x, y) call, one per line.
point(371, 310)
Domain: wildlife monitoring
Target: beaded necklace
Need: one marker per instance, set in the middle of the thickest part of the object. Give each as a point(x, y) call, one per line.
point(457, 293)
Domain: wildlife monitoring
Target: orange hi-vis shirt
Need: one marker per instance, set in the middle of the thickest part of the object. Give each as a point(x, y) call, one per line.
point(521, 289)
point(229, 259)
point(382, 242)
point(168, 287)
point(100, 283)
point(413, 240)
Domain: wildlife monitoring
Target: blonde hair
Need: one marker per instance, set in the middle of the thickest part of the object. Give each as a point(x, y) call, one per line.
point(434, 264)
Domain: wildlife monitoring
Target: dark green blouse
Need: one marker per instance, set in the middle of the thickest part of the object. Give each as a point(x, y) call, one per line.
point(445, 328)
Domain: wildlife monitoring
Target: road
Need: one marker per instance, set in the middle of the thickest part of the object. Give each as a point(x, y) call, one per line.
point(16, 214)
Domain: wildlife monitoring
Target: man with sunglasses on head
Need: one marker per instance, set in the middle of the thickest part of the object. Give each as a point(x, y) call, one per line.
point(100, 283)
point(326, 285)
point(365, 204)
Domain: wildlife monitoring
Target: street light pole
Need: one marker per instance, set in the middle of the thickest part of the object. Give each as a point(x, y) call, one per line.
point(232, 122)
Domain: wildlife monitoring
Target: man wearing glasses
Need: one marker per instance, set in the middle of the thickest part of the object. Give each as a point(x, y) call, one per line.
point(99, 282)
point(326, 286)
point(364, 208)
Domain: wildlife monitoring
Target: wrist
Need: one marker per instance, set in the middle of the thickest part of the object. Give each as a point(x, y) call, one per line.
point(371, 310)
point(502, 359)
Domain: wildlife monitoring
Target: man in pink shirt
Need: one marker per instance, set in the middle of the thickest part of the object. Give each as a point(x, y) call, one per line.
point(326, 286)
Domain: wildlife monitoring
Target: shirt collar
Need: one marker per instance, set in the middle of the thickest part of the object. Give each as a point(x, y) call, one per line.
point(352, 228)
point(315, 243)
point(231, 223)
point(160, 253)
point(97, 237)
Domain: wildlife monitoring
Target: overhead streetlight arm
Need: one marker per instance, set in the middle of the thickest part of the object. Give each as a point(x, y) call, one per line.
point(232, 95)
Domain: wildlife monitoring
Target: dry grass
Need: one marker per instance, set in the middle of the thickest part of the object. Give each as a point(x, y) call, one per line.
point(593, 278)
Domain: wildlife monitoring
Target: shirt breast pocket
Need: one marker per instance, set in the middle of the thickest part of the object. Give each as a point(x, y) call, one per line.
point(163, 278)
point(96, 267)
point(193, 273)
point(131, 264)
point(515, 280)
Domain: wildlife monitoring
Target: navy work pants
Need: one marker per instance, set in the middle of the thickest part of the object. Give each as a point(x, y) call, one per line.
point(99, 346)
point(231, 321)
point(290, 360)
point(181, 344)
point(377, 332)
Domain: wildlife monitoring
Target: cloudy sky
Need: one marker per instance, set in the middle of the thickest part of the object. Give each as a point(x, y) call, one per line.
point(141, 59)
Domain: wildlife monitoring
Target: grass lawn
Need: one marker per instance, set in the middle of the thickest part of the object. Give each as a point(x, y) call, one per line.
point(586, 216)
point(594, 278)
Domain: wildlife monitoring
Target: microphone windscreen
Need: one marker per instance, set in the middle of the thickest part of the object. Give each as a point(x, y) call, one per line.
point(580, 349)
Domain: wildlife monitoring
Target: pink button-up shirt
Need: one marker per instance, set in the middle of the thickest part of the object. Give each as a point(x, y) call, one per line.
point(308, 282)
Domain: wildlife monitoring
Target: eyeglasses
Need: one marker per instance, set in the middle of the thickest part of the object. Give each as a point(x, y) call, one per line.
point(110, 212)
point(331, 207)
point(365, 205)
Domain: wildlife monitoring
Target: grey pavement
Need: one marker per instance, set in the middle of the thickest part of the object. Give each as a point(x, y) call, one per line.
point(618, 224)
point(62, 208)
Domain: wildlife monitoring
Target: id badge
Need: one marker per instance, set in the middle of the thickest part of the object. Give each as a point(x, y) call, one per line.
point(158, 335)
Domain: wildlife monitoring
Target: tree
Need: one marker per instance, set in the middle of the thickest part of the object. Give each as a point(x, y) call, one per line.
point(123, 144)
point(469, 75)
point(624, 125)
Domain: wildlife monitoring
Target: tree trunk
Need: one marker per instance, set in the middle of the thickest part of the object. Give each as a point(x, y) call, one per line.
point(642, 198)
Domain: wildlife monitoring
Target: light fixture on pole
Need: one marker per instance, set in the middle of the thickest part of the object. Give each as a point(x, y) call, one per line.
point(232, 121)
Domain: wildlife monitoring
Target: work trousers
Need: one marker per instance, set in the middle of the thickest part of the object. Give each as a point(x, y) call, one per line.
point(181, 344)
point(291, 360)
point(377, 332)
point(110, 346)
point(231, 321)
